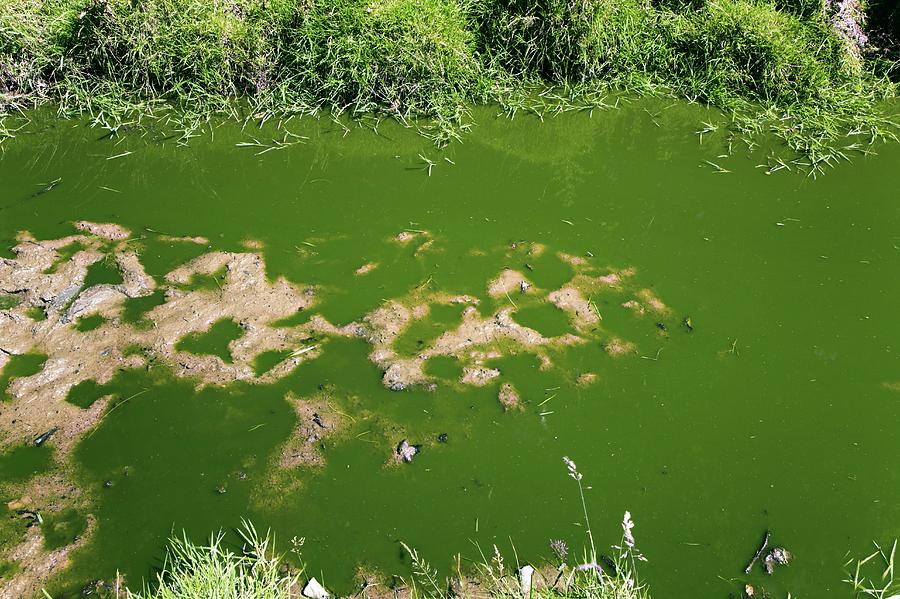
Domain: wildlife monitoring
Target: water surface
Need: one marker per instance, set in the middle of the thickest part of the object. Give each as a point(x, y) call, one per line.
point(776, 411)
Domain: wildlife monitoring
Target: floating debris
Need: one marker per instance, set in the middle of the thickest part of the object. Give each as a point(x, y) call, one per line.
point(47, 187)
point(526, 573)
point(41, 439)
point(442, 438)
point(314, 590)
point(559, 549)
point(688, 324)
point(524, 286)
point(32, 517)
point(759, 552)
point(407, 452)
point(778, 556)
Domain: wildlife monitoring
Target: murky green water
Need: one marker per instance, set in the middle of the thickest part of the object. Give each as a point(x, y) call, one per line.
point(776, 411)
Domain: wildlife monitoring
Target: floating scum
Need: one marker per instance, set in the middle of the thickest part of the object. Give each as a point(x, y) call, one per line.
point(802, 69)
point(65, 395)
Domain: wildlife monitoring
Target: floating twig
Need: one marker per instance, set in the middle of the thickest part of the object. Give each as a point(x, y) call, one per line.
point(765, 543)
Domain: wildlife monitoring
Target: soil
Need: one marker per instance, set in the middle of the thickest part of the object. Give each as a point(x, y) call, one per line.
point(38, 279)
point(109, 231)
point(509, 397)
point(507, 282)
point(317, 420)
point(366, 268)
point(580, 310)
point(478, 376)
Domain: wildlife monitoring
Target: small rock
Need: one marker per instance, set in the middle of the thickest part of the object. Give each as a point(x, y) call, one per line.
point(406, 451)
point(314, 590)
point(524, 286)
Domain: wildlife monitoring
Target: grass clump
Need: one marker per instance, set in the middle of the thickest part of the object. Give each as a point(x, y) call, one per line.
point(801, 69)
point(776, 72)
point(403, 57)
point(257, 572)
point(216, 571)
point(119, 58)
point(874, 575)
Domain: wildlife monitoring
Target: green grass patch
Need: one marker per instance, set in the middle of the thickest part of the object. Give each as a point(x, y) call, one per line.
point(19, 366)
point(89, 323)
point(777, 67)
point(214, 341)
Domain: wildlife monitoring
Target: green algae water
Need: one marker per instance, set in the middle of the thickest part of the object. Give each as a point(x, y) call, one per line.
point(776, 408)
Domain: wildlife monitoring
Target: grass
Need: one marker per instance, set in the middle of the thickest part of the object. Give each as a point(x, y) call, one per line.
point(195, 571)
point(773, 66)
point(257, 572)
point(874, 576)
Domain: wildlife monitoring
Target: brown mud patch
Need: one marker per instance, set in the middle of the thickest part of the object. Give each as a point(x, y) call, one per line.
point(245, 296)
point(318, 420)
point(254, 245)
point(38, 279)
point(576, 261)
point(586, 378)
point(384, 325)
point(509, 397)
point(478, 376)
point(44, 494)
point(109, 231)
point(36, 564)
point(408, 235)
point(533, 249)
point(580, 310)
point(366, 268)
point(197, 239)
point(507, 282)
point(617, 347)
point(645, 301)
